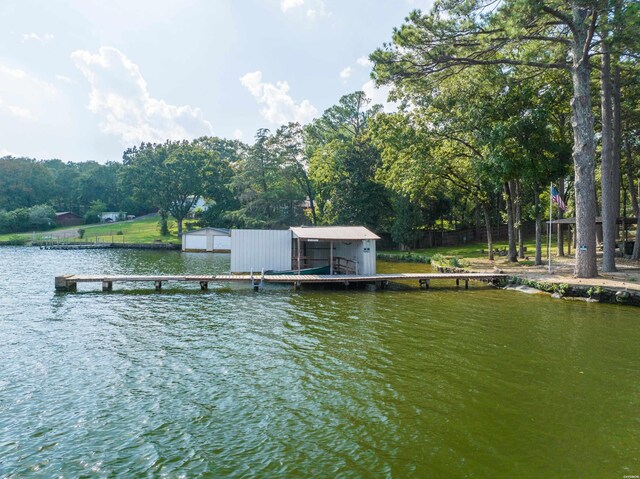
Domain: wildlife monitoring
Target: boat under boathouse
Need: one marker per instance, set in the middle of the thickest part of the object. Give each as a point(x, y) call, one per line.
point(305, 249)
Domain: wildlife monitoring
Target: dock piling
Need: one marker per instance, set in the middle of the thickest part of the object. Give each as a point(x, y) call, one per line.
point(158, 285)
point(107, 286)
point(204, 285)
point(64, 284)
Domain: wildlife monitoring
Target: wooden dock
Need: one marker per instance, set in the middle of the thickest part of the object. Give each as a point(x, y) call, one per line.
point(70, 282)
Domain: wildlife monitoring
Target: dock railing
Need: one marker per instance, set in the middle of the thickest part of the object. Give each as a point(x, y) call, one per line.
point(344, 266)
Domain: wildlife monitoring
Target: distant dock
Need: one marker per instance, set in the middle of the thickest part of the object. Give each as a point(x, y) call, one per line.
point(52, 245)
point(256, 281)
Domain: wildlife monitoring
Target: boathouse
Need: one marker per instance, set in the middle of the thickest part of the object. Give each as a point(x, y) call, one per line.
point(207, 240)
point(305, 249)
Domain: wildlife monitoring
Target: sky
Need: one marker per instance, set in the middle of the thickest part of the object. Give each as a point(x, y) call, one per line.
point(85, 79)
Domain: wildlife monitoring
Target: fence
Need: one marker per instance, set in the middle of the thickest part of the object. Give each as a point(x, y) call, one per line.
point(433, 238)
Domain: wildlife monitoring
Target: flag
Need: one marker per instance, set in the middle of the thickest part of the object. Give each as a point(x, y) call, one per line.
point(557, 199)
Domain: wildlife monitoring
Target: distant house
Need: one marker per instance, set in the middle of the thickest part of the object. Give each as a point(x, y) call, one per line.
point(67, 218)
point(112, 216)
point(207, 240)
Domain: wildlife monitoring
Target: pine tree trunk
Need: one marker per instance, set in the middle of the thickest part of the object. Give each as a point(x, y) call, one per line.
point(583, 149)
point(630, 179)
point(519, 220)
point(511, 232)
point(635, 255)
point(560, 231)
point(609, 212)
point(538, 211)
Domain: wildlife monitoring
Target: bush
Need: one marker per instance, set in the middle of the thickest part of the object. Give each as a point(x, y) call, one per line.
point(81, 232)
point(38, 218)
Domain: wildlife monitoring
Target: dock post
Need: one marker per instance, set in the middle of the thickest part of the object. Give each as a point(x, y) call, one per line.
point(297, 285)
point(204, 285)
point(63, 283)
point(107, 286)
point(466, 284)
point(424, 283)
point(158, 285)
point(457, 281)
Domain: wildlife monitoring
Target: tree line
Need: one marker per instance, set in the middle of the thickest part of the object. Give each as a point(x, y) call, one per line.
point(495, 101)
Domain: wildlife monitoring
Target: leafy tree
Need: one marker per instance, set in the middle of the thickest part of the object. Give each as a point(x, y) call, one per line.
point(544, 34)
point(96, 207)
point(172, 176)
point(24, 182)
point(343, 163)
point(42, 217)
point(267, 193)
point(289, 146)
point(219, 193)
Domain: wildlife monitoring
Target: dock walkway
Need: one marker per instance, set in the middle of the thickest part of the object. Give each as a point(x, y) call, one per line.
point(70, 282)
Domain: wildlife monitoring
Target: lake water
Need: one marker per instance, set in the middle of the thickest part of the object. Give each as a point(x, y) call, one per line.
point(399, 383)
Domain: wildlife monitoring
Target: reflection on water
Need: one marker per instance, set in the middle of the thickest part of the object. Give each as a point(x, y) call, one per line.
point(229, 382)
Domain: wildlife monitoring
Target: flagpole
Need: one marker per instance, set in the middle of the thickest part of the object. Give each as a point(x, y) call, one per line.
point(550, 219)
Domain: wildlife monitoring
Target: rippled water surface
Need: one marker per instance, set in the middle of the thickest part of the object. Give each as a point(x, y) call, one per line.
point(319, 383)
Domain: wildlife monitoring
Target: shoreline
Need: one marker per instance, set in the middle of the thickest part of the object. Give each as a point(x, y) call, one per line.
point(621, 287)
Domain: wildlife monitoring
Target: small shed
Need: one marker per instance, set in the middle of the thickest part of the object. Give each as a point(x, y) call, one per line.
point(207, 240)
point(67, 218)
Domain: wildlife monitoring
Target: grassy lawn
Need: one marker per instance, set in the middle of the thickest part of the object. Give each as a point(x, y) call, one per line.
point(475, 250)
point(144, 230)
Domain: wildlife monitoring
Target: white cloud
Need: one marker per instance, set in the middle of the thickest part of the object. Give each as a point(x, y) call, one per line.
point(346, 73)
point(364, 62)
point(32, 99)
point(238, 134)
point(119, 95)
point(289, 4)
point(379, 96)
point(279, 107)
point(45, 38)
point(21, 112)
point(314, 8)
point(318, 10)
point(63, 79)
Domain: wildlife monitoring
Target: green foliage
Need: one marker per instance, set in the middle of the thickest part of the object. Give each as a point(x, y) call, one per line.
point(404, 258)
point(96, 207)
point(269, 183)
point(36, 218)
point(343, 164)
point(595, 291)
point(173, 176)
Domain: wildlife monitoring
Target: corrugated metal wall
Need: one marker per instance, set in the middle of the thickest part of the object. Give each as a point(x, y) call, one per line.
point(367, 257)
point(222, 243)
point(253, 250)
